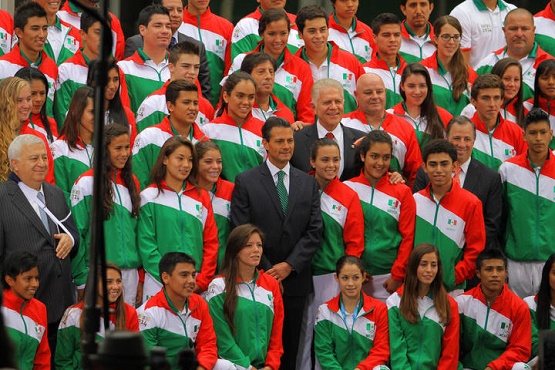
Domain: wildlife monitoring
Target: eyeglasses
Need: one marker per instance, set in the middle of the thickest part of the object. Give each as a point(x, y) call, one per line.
point(446, 37)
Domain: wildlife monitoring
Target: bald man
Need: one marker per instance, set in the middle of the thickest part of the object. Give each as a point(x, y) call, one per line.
point(371, 115)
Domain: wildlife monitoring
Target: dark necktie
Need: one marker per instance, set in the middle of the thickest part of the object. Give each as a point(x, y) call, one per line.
point(43, 215)
point(173, 41)
point(282, 191)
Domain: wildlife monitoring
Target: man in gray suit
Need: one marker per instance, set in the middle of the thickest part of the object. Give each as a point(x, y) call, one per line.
point(35, 217)
point(175, 7)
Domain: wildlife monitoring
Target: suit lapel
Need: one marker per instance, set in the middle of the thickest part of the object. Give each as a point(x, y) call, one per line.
point(21, 204)
point(270, 187)
point(471, 178)
point(294, 182)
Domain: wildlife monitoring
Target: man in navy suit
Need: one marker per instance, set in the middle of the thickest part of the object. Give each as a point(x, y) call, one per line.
point(474, 176)
point(328, 104)
point(285, 203)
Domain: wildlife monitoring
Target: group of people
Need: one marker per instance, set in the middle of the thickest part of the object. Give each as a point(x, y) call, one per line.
point(292, 191)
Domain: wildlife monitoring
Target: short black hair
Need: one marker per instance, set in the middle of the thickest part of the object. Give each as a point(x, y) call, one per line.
point(371, 138)
point(490, 254)
point(183, 47)
point(486, 81)
point(308, 13)
point(25, 11)
point(254, 59)
point(171, 259)
point(145, 15)
point(437, 146)
point(87, 20)
point(536, 115)
point(384, 18)
point(174, 87)
point(404, 2)
point(271, 123)
point(17, 263)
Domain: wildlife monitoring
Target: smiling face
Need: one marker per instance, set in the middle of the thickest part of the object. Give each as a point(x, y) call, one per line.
point(240, 100)
point(180, 284)
point(440, 167)
point(512, 81)
point(32, 165)
point(264, 75)
point(376, 161)
point(24, 103)
point(280, 146)
point(51, 7)
point(446, 49)
point(185, 110)
point(350, 280)
point(275, 38)
point(315, 35)
point(157, 34)
point(427, 269)
point(38, 96)
point(33, 36)
point(178, 165)
point(25, 284)
point(209, 167)
point(251, 253)
point(114, 285)
point(326, 163)
point(415, 89)
point(119, 150)
point(329, 107)
point(492, 275)
point(462, 136)
point(112, 84)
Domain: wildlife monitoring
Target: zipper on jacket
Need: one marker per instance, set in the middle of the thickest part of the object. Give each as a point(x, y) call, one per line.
point(121, 223)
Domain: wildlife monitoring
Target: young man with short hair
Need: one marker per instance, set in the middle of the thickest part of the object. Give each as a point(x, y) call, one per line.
point(24, 315)
point(326, 59)
point(496, 138)
point(182, 102)
point(449, 216)
point(529, 200)
point(386, 61)
point(416, 30)
point(72, 74)
point(184, 63)
point(31, 29)
point(496, 329)
point(177, 318)
point(147, 69)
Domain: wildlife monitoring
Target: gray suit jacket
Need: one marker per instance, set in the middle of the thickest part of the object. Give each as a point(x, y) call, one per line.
point(134, 42)
point(21, 229)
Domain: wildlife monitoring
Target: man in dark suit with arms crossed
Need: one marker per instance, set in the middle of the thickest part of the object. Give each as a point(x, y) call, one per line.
point(285, 203)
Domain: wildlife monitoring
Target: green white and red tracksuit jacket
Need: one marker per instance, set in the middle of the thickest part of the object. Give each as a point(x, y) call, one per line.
point(532, 302)
point(178, 222)
point(258, 322)
point(6, 32)
point(413, 51)
point(364, 344)
point(70, 164)
point(548, 106)
point(455, 225)
point(545, 24)
point(529, 202)
point(241, 145)
point(278, 110)
point(343, 67)
point(153, 109)
point(529, 66)
point(27, 129)
point(138, 79)
point(161, 324)
point(120, 230)
point(35, 123)
point(215, 33)
point(420, 124)
point(292, 82)
point(494, 334)
point(71, 14)
point(442, 85)
point(72, 74)
point(389, 211)
point(390, 78)
point(70, 42)
point(220, 196)
point(428, 344)
point(149, 143)
point(245, 34)
point(406, 152)
point(26, 324)
point(343, 231)
point(13, 61)
point(358, 40)
point(68, 346)
point(494, 148)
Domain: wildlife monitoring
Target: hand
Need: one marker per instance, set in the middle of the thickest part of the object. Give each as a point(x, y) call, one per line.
point(280, 271)
point(298, 125)
point(391, 285)
point(139, 295)
point(64, 245)
point(396, 178)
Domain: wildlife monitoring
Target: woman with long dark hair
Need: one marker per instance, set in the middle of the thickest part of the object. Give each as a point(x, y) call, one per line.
point(418, 106)
point(544, 93)
point(422, 305)
point(70, 332)
point(176, 216)
point(244, 301)
point(121, 203)
point(451, 76)
point(73, 151)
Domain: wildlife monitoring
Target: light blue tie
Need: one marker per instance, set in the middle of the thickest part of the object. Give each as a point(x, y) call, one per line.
point(43, 215)
point(282, 191)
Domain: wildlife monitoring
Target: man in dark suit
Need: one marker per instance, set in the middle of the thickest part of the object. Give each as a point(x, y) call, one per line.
point(285, 203)
point(175, 7)
point(474, 176)
point(328, 103)
point(49, 232)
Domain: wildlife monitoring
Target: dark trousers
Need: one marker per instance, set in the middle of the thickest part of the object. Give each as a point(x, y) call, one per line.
point(292, 322)
point(52, 338)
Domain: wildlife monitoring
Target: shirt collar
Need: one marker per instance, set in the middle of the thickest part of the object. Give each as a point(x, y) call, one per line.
point(481, 6)
point(464, 166)
point(274, 170)
point(322, 131)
